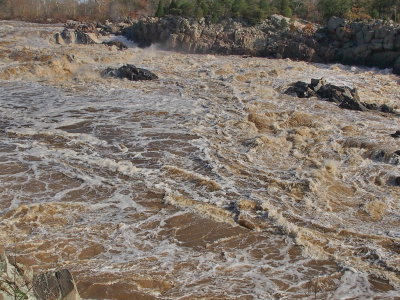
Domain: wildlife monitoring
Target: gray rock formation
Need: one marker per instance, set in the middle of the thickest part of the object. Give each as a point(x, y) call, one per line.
point(372, 43)
point(75, 36)
point(18, 282)
point(55, 285)
point(89, 33)
point(276, 35)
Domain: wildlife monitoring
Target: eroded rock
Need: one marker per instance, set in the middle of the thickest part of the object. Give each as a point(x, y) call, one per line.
point(55, 285)
point(130, 72)
point(346, 97)
point(76, 36)
point(18, 282)
point(370, 43)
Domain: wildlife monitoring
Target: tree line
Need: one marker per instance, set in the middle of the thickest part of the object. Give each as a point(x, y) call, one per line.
point(82, 10)
point(251, 11)
point(254, 11)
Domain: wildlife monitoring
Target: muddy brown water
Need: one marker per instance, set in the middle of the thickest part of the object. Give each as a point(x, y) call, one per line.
point(205, 184)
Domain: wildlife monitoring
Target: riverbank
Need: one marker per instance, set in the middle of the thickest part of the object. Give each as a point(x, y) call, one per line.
point(370, 43)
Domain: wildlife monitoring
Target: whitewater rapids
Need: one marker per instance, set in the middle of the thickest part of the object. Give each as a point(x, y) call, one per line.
point(207, 183)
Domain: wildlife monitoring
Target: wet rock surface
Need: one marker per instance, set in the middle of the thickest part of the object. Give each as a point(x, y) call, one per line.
point(346, 97)
point(18, 282)
point(396, 134)
point(130, 72)
point(55, 285)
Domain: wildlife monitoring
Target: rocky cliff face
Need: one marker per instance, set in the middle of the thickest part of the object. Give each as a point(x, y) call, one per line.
point(374, 44)
point(275, 36)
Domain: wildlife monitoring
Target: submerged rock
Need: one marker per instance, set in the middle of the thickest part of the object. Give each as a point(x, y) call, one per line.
point(130, 72)
point(118, 44)
point(396, 134)
point(346, 97)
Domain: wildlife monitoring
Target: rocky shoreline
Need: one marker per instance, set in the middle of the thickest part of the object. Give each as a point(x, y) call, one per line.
point(372, 43)
point(367, 43)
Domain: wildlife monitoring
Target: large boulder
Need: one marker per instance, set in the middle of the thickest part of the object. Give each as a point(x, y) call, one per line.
point(130, 72)
point(18, 282)
point(55, 285)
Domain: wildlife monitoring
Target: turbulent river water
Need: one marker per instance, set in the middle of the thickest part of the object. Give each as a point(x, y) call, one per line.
point(208, 183)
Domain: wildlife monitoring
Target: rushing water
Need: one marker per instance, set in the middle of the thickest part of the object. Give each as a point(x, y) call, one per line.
point(207, 183)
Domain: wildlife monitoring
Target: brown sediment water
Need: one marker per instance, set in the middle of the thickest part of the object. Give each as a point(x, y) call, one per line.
point(208, 183)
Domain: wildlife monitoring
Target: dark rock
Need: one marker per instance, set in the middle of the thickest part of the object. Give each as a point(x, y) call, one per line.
point(86, 37)
point(299, 51)
point(300, 89)
point(385, 59)
point(316, 84)
point(386, 109)
point(335, 23)
point(396, 66)
point(352, 102)
point(118, 44)
point(336, 94)
point(371, 106)
point(397, 181)
point(346, 97)
point(396, 134)
point(55, 285)
point(130, 72)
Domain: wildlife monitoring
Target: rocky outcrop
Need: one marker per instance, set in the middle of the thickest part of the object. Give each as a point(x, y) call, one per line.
point(18, 282)
point(371, 43)
point(75, 36)
point(130, 72)
point(89, 33)
point(346, 97)
point(275, 36)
